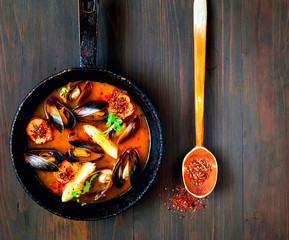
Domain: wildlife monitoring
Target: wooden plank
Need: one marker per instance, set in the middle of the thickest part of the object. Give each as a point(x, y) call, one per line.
point(37, 39)
point(265, 67)
point(224, 118)
point(151, 43)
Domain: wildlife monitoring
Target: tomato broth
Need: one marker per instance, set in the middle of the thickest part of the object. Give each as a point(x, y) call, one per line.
point(139, 140)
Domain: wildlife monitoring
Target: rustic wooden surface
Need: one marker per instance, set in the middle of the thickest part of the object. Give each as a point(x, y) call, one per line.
point(151, 42)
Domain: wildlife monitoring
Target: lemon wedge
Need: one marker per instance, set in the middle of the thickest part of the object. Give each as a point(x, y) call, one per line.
point(98, 137)
point(77, 183)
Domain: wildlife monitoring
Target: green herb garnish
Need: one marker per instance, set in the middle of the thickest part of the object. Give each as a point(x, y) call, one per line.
point(85, 188)
point(64, 92)
point(88, 184)
point(114, 123)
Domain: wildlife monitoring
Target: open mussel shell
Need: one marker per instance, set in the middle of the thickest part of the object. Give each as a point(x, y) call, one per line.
point(60, 116)
point(79, 92)
point(102, 182)
point(129, 130)
point(43, 159)
point(91, 111)
point(126, 168)
point(84, 151)
point(81, 155)
point(94, 147)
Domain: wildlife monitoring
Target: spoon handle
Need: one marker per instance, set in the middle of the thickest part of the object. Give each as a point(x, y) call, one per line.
point(200, 29)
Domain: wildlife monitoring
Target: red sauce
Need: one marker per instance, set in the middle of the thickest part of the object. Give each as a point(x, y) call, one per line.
point(56, 181)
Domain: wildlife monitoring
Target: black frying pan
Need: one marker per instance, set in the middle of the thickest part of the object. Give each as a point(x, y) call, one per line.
point(18, 137)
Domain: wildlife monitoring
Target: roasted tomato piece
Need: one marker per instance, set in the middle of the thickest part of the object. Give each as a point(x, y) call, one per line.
point(120, 104)
point(39, 131)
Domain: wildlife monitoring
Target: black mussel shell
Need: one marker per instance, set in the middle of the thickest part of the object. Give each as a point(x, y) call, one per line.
point(91, 111)
point(80, 92)
point(89, 108)
point(128, 159)
point(82, 155)
point(43, 159)
point(130, 129)
point(84, 151)
point(102, 186)
point(94, 147)
point(112, 134)
point(74, 94)
point(60, 116)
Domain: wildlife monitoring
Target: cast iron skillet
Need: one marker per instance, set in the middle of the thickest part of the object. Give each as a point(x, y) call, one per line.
point(18, 137)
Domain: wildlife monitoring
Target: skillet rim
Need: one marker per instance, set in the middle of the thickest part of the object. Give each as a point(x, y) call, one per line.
point(152, 175)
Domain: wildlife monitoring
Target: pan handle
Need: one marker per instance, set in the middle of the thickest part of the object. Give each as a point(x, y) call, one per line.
point(88, 21)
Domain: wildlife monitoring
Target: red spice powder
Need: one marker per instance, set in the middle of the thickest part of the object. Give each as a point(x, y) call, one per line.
point(183, 201)
point(117, 104)
point(199, 171)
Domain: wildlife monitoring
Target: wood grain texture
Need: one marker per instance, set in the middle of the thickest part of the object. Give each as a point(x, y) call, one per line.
point(151, 43)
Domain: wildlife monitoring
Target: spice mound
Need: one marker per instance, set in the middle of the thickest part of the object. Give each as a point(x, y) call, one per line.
point(182, 201)
point(199, 171)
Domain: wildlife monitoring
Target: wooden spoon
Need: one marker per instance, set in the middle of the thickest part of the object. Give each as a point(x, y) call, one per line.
point(199, 151)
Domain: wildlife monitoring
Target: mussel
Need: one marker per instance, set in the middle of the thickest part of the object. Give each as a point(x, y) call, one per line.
point(126, 168)
point(43, 159)
point(91, 111)
point(60, 116)
point(129, 130)
point(102, 182)
point(84, 151)
point(76, 94)
point(76, 184)
point(80, 92)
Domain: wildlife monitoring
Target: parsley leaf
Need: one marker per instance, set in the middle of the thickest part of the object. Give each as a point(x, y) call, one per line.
point(87, 185)
point(114, 123)
point(85, 188)
point(64, 92)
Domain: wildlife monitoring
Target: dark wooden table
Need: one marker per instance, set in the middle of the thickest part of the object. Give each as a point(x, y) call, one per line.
point(151, 42)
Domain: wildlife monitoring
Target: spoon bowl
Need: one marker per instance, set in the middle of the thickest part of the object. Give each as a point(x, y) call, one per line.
point(200, 152)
